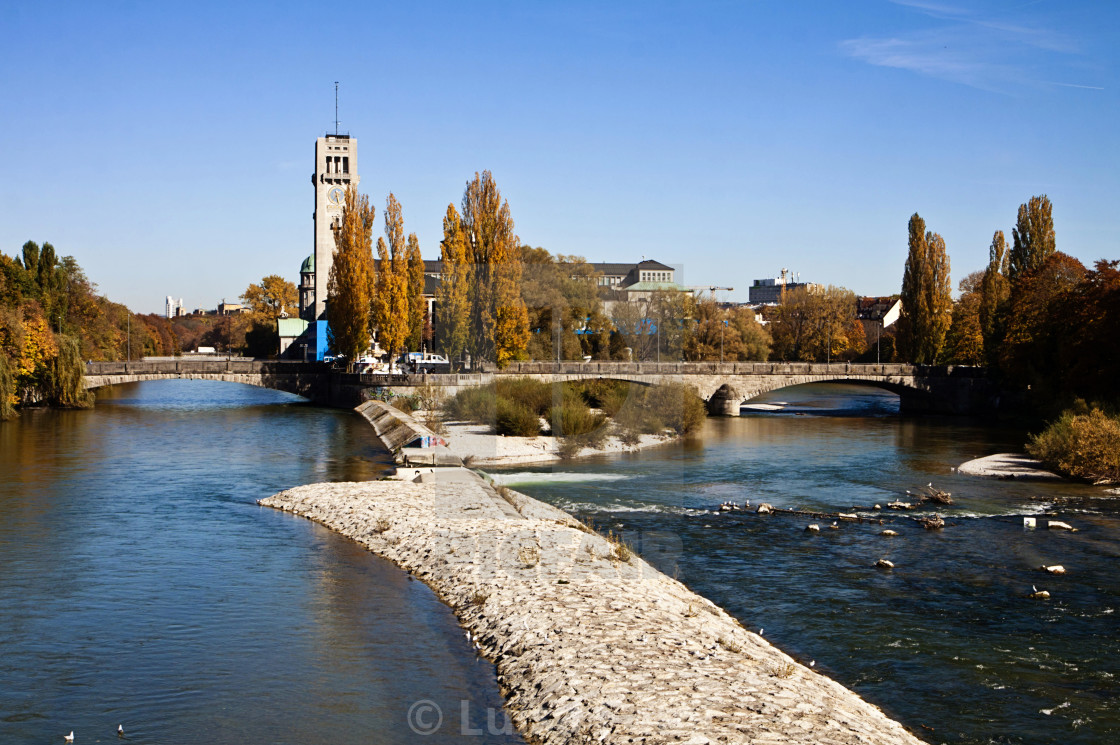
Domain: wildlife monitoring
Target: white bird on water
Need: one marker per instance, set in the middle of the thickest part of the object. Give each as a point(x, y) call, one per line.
point(120, 730)
point(69, 737)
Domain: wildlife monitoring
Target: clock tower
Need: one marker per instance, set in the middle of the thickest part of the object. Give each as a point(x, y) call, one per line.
point(336, 168)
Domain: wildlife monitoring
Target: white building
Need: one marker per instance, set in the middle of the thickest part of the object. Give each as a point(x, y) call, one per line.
point(173, 308)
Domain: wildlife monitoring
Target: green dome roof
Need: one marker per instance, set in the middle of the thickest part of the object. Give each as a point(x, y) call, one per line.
point(308, 265)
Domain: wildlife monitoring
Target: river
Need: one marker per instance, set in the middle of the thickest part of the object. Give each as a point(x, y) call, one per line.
point(141, 585)
point(948, 642)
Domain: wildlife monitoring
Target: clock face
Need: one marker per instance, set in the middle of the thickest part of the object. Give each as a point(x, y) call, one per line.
point(336, 195)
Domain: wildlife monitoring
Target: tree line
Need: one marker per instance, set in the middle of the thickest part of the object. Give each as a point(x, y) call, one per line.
point(1044, 324)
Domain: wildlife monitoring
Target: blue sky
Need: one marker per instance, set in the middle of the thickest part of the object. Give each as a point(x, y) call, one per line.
point(169, 146)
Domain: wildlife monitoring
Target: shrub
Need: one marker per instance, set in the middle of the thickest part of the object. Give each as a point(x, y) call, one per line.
point(574, 418)
point(515, 419)
point(533, 394)
point(606, 395)
point(678, 406)
point(472, 404)
point(1081, 445)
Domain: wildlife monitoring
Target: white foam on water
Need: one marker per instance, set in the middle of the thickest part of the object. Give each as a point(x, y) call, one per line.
point(553, 477)
point(663, 509)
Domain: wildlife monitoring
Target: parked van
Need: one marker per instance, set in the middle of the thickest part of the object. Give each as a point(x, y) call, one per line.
point(425, 362)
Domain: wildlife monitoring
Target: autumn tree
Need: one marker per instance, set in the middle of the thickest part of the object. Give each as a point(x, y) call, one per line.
point(391, 302)
point(351, 282)
point(728, 334)
point(965, 340)
point(417, 307)
point(453, 309)
point(1036, 331)
point(562, 300)
point(1033, 237)
point(499, 320)
point(926, 299)
point(816, 326)
point(994, 292)
point(272, 297)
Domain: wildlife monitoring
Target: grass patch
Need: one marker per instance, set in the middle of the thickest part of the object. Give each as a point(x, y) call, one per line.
point(729, 645)
point(781, 669)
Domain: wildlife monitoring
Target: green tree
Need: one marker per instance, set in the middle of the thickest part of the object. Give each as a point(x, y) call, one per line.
point(499, 319)
point(452, 301)
point(350, 285)
point(391, 303)
point(417, 307)
point(926, 298)
point(1033, 237)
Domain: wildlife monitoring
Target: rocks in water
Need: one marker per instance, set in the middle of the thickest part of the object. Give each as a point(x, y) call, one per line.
point(1039, 594)
point(765, 508)
point(888, 532)
point(813, 528)
point(733, 507)
point(896, 505)
point(884, 564)
point(1059, 525)
point(932, 523)
point(1053, 569)
point(835, 526)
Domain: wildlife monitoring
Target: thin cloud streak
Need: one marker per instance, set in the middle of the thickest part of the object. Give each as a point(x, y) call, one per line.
point(987, 53)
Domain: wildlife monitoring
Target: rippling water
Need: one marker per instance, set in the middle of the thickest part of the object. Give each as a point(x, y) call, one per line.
point(141, 584)
point(948, 642)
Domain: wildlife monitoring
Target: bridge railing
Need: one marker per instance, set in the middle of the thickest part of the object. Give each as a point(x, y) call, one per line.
point(735, 368)
point(202, 367)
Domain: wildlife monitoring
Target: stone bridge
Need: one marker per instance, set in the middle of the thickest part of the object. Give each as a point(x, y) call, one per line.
point(725, 386)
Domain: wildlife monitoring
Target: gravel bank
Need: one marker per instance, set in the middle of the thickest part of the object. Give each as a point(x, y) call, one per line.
point(591, 644)
point(1008, 466)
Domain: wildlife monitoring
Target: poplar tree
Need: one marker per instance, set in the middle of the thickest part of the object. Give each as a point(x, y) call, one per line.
point(391, 306)
point(416, 305)
point(452, 302)
point(1033, 237)
point(499, 319)
point(926, 298)
point(994, 291)
point(350, 285)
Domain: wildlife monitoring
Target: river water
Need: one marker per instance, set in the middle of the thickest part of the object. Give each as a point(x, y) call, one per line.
point(141, 585)
point(948, 642)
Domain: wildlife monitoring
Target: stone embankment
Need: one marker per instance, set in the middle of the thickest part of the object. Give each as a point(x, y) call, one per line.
point(591, 644)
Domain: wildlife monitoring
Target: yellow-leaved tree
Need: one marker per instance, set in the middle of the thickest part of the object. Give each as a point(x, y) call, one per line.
point(453, 305)
point(350, 286)
point(416, 306)
point(391, 304)
point(499, 319)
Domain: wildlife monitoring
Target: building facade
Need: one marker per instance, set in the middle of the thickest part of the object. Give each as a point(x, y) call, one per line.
point(336, 168)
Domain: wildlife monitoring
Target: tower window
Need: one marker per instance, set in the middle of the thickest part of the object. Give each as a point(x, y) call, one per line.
point(345, 164)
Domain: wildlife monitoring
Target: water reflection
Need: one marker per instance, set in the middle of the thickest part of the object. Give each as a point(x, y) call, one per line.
point(142, 585)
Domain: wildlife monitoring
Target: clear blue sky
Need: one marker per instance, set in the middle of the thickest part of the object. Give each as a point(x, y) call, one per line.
point(169, 146)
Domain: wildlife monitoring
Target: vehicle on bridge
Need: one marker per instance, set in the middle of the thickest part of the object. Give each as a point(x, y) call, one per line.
point(424, 362)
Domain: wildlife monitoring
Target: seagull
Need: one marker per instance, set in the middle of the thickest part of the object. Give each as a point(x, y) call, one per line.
point(812, 663)
point(760, 631)
point(468, 637)
point(69, 737)
point(120, 730)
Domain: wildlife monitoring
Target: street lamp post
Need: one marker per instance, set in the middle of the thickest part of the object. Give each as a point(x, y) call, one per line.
point(724, 325)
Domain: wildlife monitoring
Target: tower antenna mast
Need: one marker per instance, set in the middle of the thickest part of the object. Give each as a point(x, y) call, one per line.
point(336, 107)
